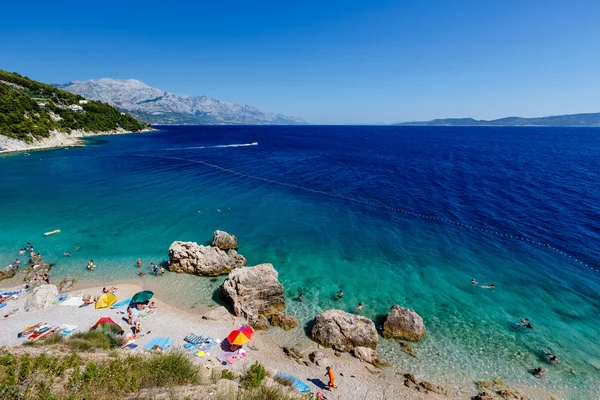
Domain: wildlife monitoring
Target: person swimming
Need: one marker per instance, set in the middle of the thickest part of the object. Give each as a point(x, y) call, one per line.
point(359, 308)
point(525, 323)
point(300, 297)
point(139, 263)
point(539, 372)
point(552, 358)
point(473, 281)
point(492, 286)
point(91, 265)
point(340, 294)
point(67, 254)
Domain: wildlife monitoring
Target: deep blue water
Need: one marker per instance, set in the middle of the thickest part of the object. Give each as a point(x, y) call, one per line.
point(120, 198)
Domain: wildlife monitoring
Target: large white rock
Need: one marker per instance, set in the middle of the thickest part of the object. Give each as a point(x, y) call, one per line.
point(192, 258)
point(41, 297)
point(254, 291)
point(403, 323)
point(224, 240)
point(344, 331)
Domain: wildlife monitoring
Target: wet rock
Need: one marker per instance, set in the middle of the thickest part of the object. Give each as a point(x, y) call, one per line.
point(66, 284)
point(7, 273)
point(407, 348)
point(254, 291)
point(219, 313)
point(224, 240)
point(482, 396)
point(41, 297)
point(343, 331)
point(260, 323)
point(509, 395)
point(405, 324)
point(367, 355)
point(284, 321)
point(292, 352)
point(411, 378)
point(192, 258)
point(434, 388)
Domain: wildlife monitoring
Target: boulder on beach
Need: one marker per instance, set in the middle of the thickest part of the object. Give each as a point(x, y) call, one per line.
point(7, 273)
point(405, 324)
point(259, 323)
point(319, 358)
point(254, 291)
point(224, 240)
point(219, 313)
point(284, 321)
point(367, 355)
point(66, 284)
point(192, 258)
point(344, 331)
point(41, 297)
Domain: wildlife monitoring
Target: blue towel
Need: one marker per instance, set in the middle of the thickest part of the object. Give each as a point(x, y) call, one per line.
point(194, 339)
point(163, 343)
point(2, 305)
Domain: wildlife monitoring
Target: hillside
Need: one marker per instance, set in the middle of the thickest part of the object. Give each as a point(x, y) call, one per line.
point(592, 119)
point(159, 107)
point(31, 110)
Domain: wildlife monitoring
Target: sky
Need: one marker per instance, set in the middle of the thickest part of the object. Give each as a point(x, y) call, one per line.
point(327, 61)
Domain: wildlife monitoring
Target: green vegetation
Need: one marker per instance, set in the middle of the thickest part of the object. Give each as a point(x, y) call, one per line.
point(227, 374)
point(255, 375)
point(81, 341)
point(22, 117)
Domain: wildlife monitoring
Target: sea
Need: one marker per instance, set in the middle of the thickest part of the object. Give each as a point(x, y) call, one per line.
point(387, 214)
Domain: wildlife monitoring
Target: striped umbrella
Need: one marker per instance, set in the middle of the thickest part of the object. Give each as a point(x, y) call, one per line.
point(240, 336)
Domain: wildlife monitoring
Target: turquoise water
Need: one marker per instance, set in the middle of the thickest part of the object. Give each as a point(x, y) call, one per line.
point(540, 184)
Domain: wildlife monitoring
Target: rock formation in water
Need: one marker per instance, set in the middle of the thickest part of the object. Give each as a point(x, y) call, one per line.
point(192, 258)
point(284, 321)
point(254, 291)
point(7, 273)
point(405, 324)
point(344, 331)
point(224, 240)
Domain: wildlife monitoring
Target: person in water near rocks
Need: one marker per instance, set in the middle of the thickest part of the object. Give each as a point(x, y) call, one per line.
point(142, 273)
point(300, 297)
point(552, 358)
point(331, 376)
point(525, 323)
point(359, 308)
point(340, 294)
point(162, 270)
point(139, 263)
point(539, 372)
point(91, 265)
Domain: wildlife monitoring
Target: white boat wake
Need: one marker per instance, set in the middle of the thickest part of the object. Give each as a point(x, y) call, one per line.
point(216, 146)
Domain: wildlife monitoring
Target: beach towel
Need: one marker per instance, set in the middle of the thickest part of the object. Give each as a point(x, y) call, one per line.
point(202, 354)
point(194, 339)
point(129, 346)
point(161, 343)
point(223, 357)
point(121, 303)
point(68, 330)
point(2, 305)
point(145, 313)
point(296, 383)
point(60, 298)
point(191, 347)
point(73, 301)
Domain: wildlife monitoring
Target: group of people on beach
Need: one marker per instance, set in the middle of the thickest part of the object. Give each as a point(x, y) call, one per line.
point(35, 261)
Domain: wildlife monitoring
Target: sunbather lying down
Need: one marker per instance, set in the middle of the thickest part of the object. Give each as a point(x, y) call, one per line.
point(88, 299)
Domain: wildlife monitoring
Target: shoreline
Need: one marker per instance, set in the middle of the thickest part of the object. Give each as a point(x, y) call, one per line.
point(358, 380)
point(58, 140)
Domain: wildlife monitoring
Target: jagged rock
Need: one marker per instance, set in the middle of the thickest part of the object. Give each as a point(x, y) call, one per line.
point(285, 321)
point(66, 284)
point(316, 356)
point(434, 388)
point(482, 396)
point(34, 274)
point(407, 348)
point(411, 378)
point(367, 355)
point(260, 323)
point(192, 258)
point(219, 313)
point(293, 353)
point(405, 324)
point(344, 331)
point(254, 291)
point(41, 297)
point(7, 273)
point(224, 240)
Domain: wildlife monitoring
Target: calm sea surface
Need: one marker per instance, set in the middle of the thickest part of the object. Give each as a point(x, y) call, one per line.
point(450, 204)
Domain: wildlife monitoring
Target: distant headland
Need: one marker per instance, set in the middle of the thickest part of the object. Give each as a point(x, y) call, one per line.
point(591, 119)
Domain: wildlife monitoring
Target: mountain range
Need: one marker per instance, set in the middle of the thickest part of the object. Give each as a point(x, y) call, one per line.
point(591, 119)
point(156, 106)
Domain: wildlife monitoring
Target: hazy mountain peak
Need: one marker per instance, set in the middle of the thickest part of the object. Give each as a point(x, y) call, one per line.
point(157, 106)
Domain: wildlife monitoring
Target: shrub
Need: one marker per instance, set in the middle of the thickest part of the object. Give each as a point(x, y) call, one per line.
point(254, 376)
point(227, 374)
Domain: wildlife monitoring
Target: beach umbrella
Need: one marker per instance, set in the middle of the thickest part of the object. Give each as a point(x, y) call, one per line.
point(106, 300)
point(141, 297)
point(241, 336)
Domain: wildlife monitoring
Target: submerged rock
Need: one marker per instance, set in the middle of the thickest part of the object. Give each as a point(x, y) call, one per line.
point(192, 258)
point(224, 240)
point(254, 291)
point(367, 355)
point(7, 273)
point(41, 297)
point(344, 331)
point(284, 321)
point(405, 324)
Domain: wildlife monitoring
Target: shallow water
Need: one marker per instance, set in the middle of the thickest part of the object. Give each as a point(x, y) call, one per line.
point(539, 184)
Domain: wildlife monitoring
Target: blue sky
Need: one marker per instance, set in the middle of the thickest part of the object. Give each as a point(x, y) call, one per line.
point(327, 61)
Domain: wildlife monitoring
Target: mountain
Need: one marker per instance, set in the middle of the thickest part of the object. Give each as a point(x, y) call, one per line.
point(592, 119)
point(32, 110)
point(159, 107)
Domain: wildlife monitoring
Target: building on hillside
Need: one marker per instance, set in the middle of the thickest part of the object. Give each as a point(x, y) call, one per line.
point(75, 107)
point(83, 101)
point(41, 104)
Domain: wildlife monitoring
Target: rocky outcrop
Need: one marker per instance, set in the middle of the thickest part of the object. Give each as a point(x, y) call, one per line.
point(260, 323)
point(224, 240)
point(192, 258)
point(34, 274)
point(319, 358)
point(41, 297)
point(254, 291)
point(284, 321)
point(405, 324)
point(66, 284)
point(367, 355)
point(292, 352)
point(7, 273)
point(344, 331)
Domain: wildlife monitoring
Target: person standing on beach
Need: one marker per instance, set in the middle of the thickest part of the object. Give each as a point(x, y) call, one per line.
point(331, 376)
